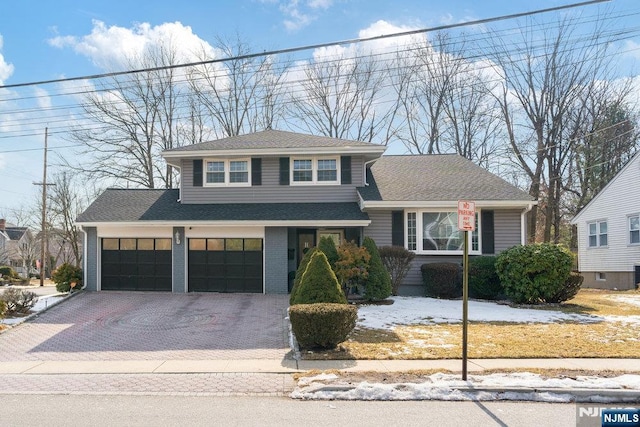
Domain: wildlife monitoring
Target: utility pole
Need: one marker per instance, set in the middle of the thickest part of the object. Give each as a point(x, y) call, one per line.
point(44, 244)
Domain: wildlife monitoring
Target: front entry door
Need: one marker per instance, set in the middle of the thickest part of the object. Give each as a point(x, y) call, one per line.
point(306, 241)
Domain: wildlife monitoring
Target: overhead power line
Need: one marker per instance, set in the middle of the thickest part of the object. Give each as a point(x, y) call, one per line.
point(314, 46)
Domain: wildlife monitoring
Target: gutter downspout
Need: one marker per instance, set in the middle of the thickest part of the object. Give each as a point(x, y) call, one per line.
point(523, 224)
point(365, 170)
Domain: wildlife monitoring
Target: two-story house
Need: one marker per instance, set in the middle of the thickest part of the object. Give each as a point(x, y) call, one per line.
point(609, 232)
point(18, 248)
point(248, 206)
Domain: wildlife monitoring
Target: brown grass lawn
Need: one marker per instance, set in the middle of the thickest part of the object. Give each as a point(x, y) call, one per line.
point(608, 339)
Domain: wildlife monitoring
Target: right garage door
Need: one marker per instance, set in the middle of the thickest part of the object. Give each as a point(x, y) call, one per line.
point(225, 265)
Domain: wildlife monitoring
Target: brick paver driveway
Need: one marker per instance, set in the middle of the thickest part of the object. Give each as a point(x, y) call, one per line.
point(153, 326)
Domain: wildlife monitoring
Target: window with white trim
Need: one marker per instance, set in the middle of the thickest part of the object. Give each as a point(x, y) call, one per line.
point(438, 233)
point(227, 172)
point(597, 234)
point(634, 229)
point(315, 170)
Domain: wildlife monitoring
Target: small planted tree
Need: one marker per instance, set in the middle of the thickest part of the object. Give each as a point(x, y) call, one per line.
point(328, 246)
point(352, 267)
point(300, 272)
point(319, 283)
point(397, 261)
point(378, 283)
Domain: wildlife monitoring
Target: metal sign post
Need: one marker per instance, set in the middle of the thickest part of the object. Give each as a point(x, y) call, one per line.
point(466, 223)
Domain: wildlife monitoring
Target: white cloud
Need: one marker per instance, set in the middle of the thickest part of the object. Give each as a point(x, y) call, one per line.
point(6, 69)
point(114, 47)
point(297, 13)
point(44, 100)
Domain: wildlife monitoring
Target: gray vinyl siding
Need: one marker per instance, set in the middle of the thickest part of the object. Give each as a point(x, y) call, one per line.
point(179, 261)
point(271, 191)
point(380, 228)
point(507, 225)
point(275, 260)
point(91, 268)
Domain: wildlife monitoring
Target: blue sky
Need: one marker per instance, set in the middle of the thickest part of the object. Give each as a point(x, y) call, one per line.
point(41, 40)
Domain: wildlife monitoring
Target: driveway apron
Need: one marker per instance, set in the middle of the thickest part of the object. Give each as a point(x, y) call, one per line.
point(97, 326)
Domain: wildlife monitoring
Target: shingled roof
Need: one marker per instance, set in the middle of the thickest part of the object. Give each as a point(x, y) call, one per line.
point(446, 177)
point(118, 205)
point(273, 139)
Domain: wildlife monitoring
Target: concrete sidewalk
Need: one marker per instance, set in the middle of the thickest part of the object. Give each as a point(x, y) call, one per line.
point(288, 366)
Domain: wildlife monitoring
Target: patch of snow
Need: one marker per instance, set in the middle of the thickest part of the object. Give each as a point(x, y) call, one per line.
point(440, 386)
point(422, 310)
point(627, 299)
point(43, 303)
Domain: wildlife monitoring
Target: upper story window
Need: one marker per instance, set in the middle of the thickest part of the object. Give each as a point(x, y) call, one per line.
point(597, 234)
point(227, 172)
point(438, 233)
point(634, 229)
point(315, 170)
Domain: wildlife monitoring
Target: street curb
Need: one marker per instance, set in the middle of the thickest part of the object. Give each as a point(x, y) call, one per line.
point(579, 395)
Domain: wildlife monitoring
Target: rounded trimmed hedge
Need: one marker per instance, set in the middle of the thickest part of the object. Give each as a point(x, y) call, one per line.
point(322, 325)
point(534, 273)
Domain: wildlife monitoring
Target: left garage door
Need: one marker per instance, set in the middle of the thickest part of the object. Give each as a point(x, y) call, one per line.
point(136, 264)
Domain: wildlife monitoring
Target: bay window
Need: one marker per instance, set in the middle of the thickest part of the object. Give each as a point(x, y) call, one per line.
point(437, 232)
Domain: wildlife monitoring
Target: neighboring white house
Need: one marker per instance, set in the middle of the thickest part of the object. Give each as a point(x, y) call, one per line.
point(609, 232)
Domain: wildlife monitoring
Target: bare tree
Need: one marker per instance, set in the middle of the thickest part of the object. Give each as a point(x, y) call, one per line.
point(544, 77)
point(131, 119)
point(241, 94)
point(433, 72)
point(65, 204)
point(339, 96)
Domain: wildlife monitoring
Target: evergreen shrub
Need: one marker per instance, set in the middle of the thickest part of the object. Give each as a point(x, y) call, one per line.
point(442, 280)
point(322, 325)
point(535, 273)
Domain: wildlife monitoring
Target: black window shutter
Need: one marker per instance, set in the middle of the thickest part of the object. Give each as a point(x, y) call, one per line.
point(488, 235)
point(256, 171)
point(397, 228)
point(345, 169)
point(284, 171)
point(197, 173)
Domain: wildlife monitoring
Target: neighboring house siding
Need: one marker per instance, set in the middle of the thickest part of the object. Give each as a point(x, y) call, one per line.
point(275, 260)
point(179, 258)
point(508, 230)
point(614, 204)
point(380, 228)
point(91, 263)
point(271, 190)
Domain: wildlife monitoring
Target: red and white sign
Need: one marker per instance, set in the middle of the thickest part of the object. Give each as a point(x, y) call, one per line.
point(466, 215)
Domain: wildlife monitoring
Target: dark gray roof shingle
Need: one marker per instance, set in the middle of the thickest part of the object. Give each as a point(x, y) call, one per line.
point(118, 205)
point(446, 177)
point(272, 139)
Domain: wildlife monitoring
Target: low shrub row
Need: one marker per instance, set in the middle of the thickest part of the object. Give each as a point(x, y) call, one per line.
point(528, 274)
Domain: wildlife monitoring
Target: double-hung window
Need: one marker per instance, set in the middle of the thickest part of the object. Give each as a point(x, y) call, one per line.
point(436, 232)
point(227, 172)
point(634, 229)
point(597, 234)
point(315, 170)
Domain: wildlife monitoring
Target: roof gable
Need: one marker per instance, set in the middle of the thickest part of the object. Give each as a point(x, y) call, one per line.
point(435, 178)
point(632, 166)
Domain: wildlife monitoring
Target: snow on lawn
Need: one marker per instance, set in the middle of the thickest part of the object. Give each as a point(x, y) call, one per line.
point(420, 310)
point(516, 386)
